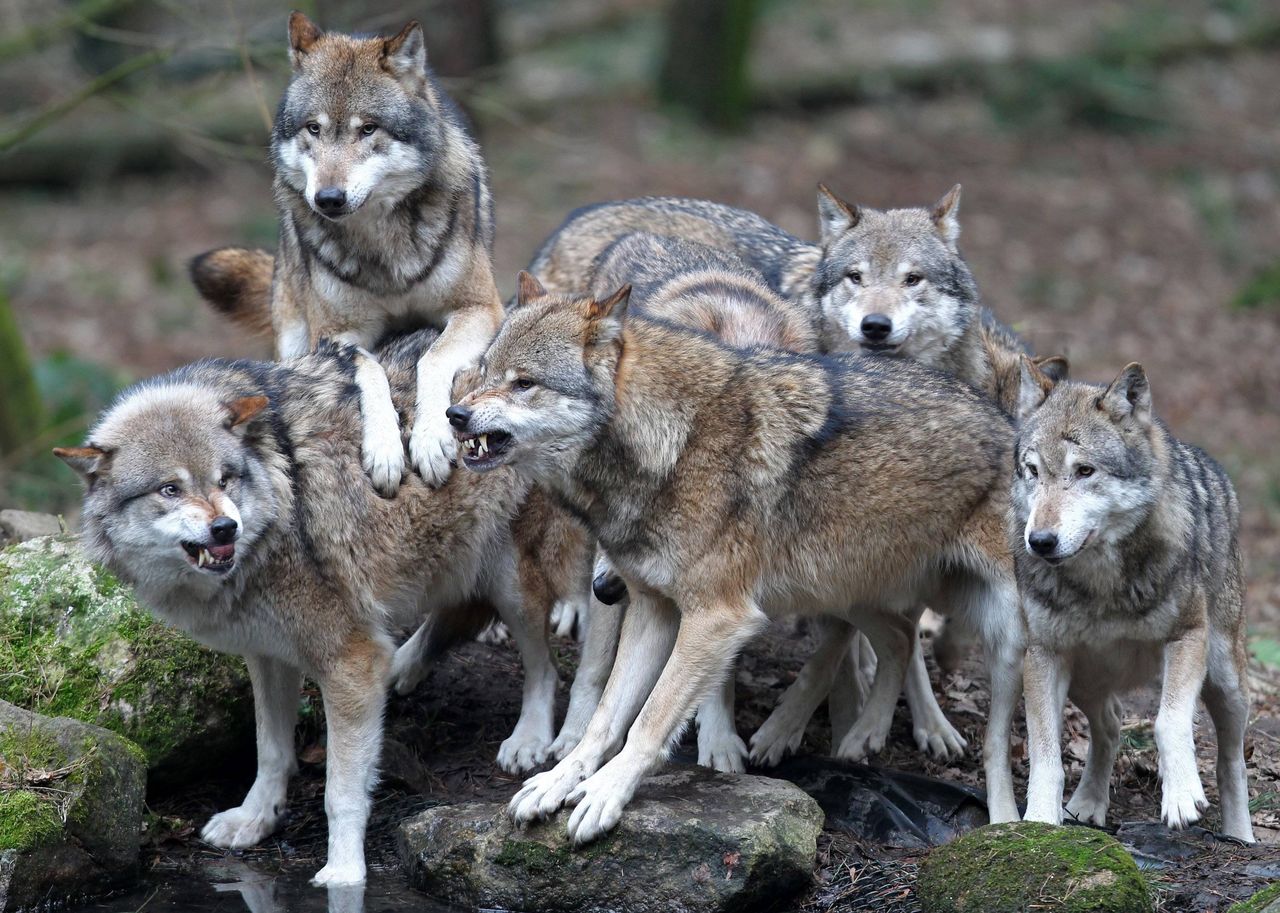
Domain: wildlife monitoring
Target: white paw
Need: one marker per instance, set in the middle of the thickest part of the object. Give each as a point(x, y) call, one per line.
point(1088, 809)
point(407, 668)
point(565, 618)
point(237, 828)
point(432, 448)
point(599, 802)
point(383, 455)
point(863, 740)
point(568, 739)
point(523, 751)
point(495, 633)
point(1183, 801)
point(779, 736)
point(722, 750)
point(1044, 812)
point(940, 739)
point(340, 873)
point(544, 794)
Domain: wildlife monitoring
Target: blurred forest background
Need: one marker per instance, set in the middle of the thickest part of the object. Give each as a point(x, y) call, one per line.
point(1120, 162)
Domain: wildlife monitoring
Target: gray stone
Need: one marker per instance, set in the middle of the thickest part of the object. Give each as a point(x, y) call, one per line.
point(21, 525)
point(71, 801)
point(691, 840)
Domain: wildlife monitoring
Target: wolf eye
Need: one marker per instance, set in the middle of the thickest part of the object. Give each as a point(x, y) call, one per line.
point(169, 490)
point(1032, 471)
point(522, 383)
point(1084, 471)
point(225, 479)
point(368, 129)
point(856, 277)
point(313, 128)
point(913, 279)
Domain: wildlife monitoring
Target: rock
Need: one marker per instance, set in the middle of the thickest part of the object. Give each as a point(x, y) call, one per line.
point(1265, 901)
point(75, 643)
point(71, 800)
point(1009, 868)
point(21, 525)
point(691, 840)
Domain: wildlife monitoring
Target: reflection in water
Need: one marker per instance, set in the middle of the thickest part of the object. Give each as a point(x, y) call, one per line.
point(234, 887)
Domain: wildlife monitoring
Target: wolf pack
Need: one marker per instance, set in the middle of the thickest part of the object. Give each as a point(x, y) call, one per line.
point(686, 423)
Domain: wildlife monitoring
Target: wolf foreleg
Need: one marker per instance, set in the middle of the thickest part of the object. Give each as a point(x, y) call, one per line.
point(1046, 679)
point(1184, 672)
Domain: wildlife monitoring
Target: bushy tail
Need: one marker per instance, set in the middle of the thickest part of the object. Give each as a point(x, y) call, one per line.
point(236, 281)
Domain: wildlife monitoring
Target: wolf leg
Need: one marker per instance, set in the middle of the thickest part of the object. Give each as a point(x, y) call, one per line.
point(355, 693)
point(649, 629)
point(1046, 677)
point(710, 637)
point(783, 731)
point(600, 644)
point(529, 742)
point(1183, 797)
point(719, 745)
point(891, 634)
point(933, 731)
point(381, 448)
point(1092, 795)
point(1227, 697)
point(275, 713)
point(852, 684)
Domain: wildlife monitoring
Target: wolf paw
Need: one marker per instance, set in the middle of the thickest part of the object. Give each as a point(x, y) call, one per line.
point(494, 634)
point(522, 751)
point(565, 618)
point(544, 794)
point(237, 828)
point(862, 742)
point(1182, 803)
point(383, 459)
point(432, 449)
point(567, 740)
point(407, 667)
point(1088, 809)
point(340, 873)
point(599, 803)
point(723, 751)
point(777, 737)
point(940, 739)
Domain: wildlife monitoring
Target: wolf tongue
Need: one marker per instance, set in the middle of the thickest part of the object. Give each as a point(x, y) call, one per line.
point(221, 552)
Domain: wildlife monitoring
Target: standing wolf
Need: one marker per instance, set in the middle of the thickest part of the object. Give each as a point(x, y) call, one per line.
point(231, 495)
point(1128, 561)
point(725, 484)
point(386, 222)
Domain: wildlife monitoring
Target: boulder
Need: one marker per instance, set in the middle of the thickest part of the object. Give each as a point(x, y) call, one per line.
point(691, 840)
point(75, 643)
point(1265, 901)
point(71, 801)
point(21, 525)
point(1009, 868)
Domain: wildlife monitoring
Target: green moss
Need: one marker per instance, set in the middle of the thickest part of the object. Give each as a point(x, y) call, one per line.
point(1258, 902)
point(1009, 867)
point(531, 856)
point(27, 820)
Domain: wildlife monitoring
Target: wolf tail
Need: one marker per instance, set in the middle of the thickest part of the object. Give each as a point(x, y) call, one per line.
point(236, 281)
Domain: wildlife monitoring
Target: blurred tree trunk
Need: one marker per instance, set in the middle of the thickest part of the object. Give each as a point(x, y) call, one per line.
point(704, 68)
point(20, 409)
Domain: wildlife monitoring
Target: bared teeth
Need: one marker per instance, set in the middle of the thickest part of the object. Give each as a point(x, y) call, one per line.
point(205, 558)
point(484, 444)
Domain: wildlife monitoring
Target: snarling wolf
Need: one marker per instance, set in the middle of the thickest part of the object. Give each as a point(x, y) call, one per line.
point(727, 485)
point(386, 223)
point(1128, 561)
point(231, 495)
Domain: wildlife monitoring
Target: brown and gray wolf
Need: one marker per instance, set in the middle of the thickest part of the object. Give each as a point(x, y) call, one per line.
point(232, 496)
point(727, 484)
point(386, 224)
point(1128, 561)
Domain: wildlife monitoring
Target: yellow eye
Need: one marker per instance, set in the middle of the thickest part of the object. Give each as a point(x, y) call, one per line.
point(522, 383)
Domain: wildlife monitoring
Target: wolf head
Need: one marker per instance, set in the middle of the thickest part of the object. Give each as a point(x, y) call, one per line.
point(177, 490)
point(545, 386)
point(359, 122)
point(1087, 464)
point(893, 282)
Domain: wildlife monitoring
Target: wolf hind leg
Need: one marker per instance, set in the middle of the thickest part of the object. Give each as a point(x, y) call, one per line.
point(530, 741)
point(1092, 795)
point(891, 634)
point(933, 732)
point(1226, 694)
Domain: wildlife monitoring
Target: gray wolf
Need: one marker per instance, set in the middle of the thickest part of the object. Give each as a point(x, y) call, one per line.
point(386, 223)
point(1128, 561)
point(231, 495)
point(726, 485)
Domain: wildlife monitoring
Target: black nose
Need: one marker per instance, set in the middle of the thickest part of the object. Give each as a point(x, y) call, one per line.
point(331, 199)
point(609, 588)
point(876, 327)
point(223, 530)
point(458, 416)
point(1042, 542)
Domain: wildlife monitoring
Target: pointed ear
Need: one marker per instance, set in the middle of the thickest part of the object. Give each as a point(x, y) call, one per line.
point(88, 462)
point(528, 288)
point(1033, 387)
point(835, 216)
point(607, 316)
point(1054, 367)
point(1129, 397)
point(405, 55)
point(241, 412)
point(303, 34)
point(946, 217)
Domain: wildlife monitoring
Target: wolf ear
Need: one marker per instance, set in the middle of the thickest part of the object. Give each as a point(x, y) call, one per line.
point(1033, 387)
point(405, 55)
point(241, 412)
point(1054, 367)
point(528, 288)
point(303, 34)
point(88, 462)
point(946, 217)
point(835, 216)
point(607, 315)
point(1129, 397)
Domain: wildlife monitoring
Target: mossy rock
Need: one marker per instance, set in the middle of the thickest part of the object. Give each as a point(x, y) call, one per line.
point(1265, 901)
point(71, 802)
point(74, 642)
point(1012, 868)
